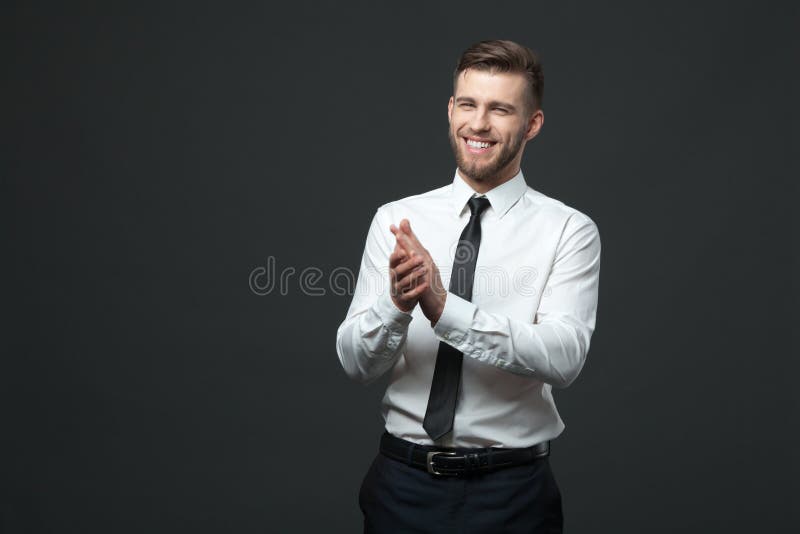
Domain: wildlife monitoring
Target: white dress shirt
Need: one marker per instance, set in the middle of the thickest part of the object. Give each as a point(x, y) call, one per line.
point(526, 329)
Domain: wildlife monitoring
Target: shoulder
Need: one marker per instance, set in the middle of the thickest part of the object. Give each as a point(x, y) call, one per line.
point(407, 207)
point(556, 211)
point(428, 200)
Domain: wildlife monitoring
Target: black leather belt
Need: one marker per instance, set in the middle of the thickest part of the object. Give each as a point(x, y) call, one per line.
point(458, 462)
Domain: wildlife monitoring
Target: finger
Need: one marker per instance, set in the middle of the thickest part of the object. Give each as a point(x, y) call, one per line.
point(415, 292)
point(412, 262)
point(401, 251)
point(411, 279)
point(397, 257)
point(405, 227)
point(397, 232)
point(405, 247)
point(407, 242)
point(406, 236)
point(411, 271)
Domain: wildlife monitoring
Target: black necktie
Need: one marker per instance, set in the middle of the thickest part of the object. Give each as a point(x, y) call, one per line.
point(447, 373)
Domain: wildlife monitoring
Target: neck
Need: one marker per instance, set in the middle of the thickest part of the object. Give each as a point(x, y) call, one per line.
point(484, 186)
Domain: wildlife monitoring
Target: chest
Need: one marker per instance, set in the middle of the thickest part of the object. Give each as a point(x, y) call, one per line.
point(514, 259)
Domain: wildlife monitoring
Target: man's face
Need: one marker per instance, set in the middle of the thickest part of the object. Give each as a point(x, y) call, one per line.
point(490, 124)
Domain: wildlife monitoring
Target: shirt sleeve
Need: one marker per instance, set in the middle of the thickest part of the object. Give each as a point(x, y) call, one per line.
point(374, 331)
point(554, 346)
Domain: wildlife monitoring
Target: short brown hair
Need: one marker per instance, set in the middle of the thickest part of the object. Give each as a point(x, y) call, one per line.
point(505, 56)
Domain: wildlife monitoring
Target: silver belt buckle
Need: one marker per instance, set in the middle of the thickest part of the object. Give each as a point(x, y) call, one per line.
point(432, 470)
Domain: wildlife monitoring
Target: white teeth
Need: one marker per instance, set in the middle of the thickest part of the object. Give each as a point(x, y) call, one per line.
point(477, 144)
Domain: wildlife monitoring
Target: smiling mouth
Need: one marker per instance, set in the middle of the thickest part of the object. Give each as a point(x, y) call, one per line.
point(478, 146)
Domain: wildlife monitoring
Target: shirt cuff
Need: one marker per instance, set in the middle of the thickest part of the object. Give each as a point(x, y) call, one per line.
point(393, 317)
point(455, 321)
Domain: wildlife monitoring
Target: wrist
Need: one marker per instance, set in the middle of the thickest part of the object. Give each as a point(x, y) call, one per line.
point(438, 310)
point(402, 308)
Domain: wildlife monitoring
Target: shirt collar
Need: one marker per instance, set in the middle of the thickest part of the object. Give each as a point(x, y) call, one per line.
point(501, 197)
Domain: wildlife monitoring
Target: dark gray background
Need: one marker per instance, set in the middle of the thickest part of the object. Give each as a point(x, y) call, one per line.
point(152, 157)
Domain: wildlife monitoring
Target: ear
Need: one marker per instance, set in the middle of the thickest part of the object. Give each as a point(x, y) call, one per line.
point(535, 124)
point(450, 110)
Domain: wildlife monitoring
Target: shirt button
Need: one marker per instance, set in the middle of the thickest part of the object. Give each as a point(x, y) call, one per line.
point(447, 335)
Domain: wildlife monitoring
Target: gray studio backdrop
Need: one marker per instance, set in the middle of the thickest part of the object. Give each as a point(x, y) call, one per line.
point(153, 157)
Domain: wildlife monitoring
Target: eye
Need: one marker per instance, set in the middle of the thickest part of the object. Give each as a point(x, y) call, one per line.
point(467, 105)
point(501, 110)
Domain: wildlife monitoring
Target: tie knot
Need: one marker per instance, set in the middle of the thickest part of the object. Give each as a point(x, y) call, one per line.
point(478, 205)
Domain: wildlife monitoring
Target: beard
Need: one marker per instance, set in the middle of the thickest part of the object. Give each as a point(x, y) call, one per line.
point(490, 170)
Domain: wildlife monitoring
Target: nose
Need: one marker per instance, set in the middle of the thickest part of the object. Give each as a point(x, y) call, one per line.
point(479, 121)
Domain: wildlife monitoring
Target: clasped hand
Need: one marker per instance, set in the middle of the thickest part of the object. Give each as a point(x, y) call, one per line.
point(413, 275)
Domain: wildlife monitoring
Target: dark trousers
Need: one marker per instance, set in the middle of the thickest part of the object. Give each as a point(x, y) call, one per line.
point(396, 498)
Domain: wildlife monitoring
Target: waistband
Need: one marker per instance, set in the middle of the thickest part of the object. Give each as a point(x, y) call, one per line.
point(444, 461)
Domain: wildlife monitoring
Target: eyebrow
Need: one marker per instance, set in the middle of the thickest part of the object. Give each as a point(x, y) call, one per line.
point(491, 103)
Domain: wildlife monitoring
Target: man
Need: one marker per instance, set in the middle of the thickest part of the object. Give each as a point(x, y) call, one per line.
point(469, 411)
